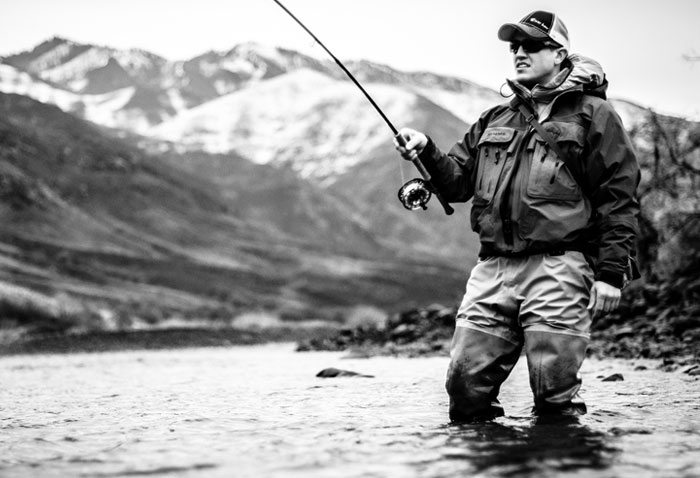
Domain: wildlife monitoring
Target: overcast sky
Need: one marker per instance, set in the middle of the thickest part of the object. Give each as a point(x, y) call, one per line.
point(640, 43)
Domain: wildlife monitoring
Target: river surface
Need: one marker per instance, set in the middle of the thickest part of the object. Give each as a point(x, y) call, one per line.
point(260, 411)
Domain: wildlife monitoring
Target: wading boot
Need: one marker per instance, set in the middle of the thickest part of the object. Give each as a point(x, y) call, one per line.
point(554, 361)
point(480, 364)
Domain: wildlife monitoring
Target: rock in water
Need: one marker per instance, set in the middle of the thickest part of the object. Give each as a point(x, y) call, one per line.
point(694, 370)
point(336, 372)
point(616, 377)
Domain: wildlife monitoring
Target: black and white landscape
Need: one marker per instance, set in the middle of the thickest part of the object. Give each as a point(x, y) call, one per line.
point(136, 191)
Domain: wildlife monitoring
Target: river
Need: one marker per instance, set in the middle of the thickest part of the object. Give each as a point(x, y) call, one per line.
point(260, 411)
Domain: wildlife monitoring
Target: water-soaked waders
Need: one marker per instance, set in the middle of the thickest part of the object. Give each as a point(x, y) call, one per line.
point(535, 303)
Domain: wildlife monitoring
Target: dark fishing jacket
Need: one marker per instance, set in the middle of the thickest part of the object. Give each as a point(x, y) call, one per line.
point(527, 200)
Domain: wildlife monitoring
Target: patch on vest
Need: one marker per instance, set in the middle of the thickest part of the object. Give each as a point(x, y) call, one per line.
point(497, 135)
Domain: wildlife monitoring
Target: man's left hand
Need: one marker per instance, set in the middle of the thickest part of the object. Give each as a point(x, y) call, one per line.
point(604, 298)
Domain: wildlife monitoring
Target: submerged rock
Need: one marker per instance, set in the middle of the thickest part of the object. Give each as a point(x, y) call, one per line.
point(694, 370)
point(336, 372)
point(616, 377)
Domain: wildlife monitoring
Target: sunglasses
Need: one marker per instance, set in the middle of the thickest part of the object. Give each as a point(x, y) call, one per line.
point(531, 46)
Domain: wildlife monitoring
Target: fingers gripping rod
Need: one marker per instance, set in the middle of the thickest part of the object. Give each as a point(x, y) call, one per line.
point(400, 139)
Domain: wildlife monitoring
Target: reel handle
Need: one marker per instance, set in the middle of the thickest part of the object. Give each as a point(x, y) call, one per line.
point(426, 176)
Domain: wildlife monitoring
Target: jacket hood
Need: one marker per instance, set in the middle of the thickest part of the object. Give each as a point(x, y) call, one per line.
point(579, 73)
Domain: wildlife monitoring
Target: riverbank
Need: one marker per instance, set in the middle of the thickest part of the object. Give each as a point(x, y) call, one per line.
point(654, 321)
point(159, 339)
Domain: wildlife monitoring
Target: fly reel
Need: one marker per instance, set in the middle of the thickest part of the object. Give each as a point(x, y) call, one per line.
point(415, 194)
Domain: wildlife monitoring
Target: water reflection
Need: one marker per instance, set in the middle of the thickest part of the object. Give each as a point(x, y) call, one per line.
point(529, 446)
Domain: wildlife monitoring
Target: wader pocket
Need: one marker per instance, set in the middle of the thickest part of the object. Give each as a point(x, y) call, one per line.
point(550, 178)
point(495, 145)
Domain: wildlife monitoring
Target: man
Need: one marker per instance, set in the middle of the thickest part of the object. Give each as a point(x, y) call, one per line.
point(553, 179)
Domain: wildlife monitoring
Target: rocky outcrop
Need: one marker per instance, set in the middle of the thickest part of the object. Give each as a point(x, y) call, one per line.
point(658, 320)
point(414, 332)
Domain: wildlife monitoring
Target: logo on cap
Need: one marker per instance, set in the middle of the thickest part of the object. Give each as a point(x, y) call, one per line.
point(540, 20)
point(537, 22)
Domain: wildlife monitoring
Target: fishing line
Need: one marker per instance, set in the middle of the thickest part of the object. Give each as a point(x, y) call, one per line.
point(415, 193)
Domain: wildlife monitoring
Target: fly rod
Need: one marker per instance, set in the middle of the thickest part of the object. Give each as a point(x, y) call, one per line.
point(413, 194)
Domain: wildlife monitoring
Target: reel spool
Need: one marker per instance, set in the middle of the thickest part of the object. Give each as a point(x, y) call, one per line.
point(415, 194)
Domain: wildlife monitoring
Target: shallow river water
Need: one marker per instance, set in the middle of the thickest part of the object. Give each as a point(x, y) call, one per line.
point(260, 411)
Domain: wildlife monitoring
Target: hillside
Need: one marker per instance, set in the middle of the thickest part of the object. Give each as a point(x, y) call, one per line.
point(96, 230)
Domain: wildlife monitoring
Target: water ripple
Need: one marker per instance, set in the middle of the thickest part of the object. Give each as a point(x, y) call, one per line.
point(261, 412)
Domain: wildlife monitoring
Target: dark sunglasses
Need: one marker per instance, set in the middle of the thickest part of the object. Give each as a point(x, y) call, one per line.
point(531, 46)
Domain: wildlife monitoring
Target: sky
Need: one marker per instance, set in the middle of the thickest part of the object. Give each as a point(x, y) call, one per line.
point(640, 43)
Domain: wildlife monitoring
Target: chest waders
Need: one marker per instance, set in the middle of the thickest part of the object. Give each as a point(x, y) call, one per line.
point(536, 305)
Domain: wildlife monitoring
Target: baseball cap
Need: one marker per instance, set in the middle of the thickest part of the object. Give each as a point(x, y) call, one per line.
point(538, 25)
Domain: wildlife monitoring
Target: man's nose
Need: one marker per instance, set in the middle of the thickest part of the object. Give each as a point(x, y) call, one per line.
point(520, 53)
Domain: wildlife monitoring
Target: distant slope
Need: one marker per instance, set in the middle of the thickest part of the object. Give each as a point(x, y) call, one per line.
point(325, 130)
point(318, 125)
point(92, 220)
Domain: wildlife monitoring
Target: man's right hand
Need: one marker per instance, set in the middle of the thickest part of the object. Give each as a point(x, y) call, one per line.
point(415, 143)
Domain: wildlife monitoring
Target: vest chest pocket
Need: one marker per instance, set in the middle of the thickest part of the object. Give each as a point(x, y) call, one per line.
point(549, 176)
point(495, 145)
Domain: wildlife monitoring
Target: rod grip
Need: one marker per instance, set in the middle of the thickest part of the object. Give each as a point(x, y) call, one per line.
point(426, 177)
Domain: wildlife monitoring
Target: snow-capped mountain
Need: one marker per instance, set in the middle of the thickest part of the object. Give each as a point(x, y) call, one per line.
point(156, 89)
point(318, 124)
point(270, 104)
point(107, 109)
point(159, 90)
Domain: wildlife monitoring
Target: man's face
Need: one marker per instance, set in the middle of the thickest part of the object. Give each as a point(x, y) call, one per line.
point(535, 62)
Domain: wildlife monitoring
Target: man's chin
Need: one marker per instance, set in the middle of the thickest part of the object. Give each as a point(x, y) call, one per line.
point(525, 80)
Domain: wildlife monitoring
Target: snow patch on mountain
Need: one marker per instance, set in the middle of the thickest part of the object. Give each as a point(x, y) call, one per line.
point(108, 109)
point(241, 65)
point(18, 82)
point(104, 109)
point(136, 60)
point(176, 100)
point(268, 52)
point(53, 57)
point(319, 125)
point(76, 68)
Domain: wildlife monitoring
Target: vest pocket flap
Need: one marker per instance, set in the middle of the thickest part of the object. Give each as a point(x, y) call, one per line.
point(499, 134)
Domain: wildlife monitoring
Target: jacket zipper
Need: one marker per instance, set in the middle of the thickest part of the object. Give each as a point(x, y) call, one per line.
point(506, 206)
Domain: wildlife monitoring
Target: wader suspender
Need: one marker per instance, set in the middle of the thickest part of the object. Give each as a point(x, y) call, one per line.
point(532, 121)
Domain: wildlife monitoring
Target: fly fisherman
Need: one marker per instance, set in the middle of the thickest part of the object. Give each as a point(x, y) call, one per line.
point(553, 178)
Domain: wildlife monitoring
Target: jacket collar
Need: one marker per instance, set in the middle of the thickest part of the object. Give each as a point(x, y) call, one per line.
point(578, 74)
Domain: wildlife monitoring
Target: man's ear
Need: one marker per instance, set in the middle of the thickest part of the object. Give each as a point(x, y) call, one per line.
point(560, 56)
